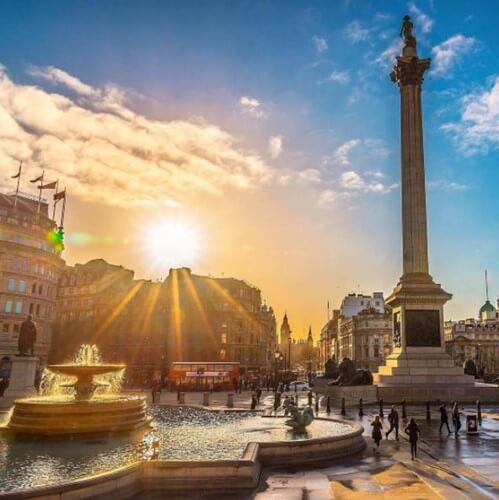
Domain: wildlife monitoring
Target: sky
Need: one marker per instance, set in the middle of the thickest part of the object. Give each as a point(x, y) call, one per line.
point(260, 136)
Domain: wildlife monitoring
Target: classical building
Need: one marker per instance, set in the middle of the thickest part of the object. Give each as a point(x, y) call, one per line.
point(31, 265)
point(328, 340)
point(476, 339)
point(365, 338)
point(218, 319)
point(353, 303)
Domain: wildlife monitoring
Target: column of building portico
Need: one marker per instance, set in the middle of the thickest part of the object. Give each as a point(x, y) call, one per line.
point(417, 302)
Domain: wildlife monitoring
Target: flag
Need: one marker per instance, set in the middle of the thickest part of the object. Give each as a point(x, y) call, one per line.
point(37, 179)
point(50, 185)
point(18, 172)
point(61, 195)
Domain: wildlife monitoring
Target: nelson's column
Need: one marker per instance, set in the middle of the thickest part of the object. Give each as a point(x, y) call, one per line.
point(418, 359)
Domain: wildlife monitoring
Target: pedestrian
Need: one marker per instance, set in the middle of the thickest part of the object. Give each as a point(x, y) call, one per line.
point(310, 396)
point(254, 401)
point(377, 432)
point(258, 394)
point(412, 430)
point(444, 419)
point(393, 418)
point(456, 418)
point(153, 391)
point(277, 400)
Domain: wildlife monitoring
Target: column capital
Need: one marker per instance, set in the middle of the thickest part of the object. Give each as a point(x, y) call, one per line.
point(409, 71)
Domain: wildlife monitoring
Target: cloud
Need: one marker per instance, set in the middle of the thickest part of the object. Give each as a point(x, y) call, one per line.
point(387, 57)
point(354, 182)
point(340, 155)
point(448, 53)
point(252, 106)
point(104, 151)
point(423, 21)
point(320, 44)
point(339, 76)
point(445, 185)
point(275, 146)
point(478, 128)
point(310, 175)
point(329, 197)
point(355, 32)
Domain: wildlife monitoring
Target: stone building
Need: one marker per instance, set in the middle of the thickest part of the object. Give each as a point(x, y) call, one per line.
point(353, 303)
point(328, 340)
point(365, 337)
point(29, 273)
point(218, 319)
point(476, 339)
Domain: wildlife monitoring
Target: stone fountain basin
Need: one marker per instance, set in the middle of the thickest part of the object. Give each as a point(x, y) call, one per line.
point(85, 370)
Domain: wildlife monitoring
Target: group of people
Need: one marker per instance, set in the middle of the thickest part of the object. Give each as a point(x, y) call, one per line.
point(412, 430)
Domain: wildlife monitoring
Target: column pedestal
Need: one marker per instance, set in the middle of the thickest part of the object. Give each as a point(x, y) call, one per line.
point(22, 377)
point(419, 356)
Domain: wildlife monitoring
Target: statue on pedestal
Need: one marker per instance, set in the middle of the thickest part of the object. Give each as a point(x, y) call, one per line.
point(406, 32)
point(300, 418)
point(27, 337)
point(349, 375)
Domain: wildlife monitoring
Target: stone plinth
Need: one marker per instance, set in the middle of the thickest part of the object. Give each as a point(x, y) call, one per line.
point(22, 377)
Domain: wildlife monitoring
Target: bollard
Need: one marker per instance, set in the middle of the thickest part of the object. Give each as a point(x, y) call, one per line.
point(206, 399)
point(343, 409)
point(296, 400)
point(181, 398)
point(479, 411)
point(328, 405)
point(404, 411)
point(361, 408)
point(381, 414)
point(428, 414)
point(316, 403)
point(178, 396)
point(230, 400)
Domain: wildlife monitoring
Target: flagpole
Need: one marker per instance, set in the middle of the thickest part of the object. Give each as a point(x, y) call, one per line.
point(63, 210)
point(55, 202)
point(40, 195)
point(18, 182)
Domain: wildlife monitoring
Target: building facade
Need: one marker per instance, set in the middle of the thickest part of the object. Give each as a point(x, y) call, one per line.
point(476, 339)
point(218, 319)
point(29, 273)
point(353, 303)
point(365, 338)
point(328, 340)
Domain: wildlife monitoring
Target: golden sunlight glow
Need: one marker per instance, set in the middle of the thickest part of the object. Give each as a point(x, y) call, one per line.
point(173, 242)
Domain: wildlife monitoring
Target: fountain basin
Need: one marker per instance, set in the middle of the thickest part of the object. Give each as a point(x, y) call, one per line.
point(58, 416)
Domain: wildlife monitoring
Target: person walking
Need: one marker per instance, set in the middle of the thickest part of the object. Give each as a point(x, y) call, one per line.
point(310, 396)
point(377, 434)
point(393, 418)
point(258, 395)
point(412, 430)
point(254, 401)
point(456, 418)
point(444, 419)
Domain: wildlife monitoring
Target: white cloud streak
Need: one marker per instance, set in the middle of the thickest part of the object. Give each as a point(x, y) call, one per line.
point(447, 54)
point(252, 106)
point(339, 77)
point(355, 32)
point(353, 181)
point(423, 21)
point(275, 146)
point(320, 44)
point(104, 151)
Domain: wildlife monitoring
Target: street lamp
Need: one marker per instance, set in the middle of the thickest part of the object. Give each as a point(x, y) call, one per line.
point(289, 353)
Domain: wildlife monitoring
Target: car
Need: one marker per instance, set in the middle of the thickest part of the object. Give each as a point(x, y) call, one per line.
point(299, 385)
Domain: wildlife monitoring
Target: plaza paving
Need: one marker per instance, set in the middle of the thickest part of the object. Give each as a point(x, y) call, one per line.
point(446, 467)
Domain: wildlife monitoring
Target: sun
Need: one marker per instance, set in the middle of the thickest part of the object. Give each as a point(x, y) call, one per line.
point(174, 243)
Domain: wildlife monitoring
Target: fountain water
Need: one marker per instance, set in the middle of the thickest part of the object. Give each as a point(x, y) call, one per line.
point(81, 397)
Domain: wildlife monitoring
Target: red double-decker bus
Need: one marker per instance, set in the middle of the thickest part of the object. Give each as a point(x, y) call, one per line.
point(196, 376)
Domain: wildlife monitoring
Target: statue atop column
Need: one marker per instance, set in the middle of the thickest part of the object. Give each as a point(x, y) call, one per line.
point(406, 31)
point(27, 337)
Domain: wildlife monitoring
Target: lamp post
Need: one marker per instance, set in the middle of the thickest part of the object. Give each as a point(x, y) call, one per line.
point(289, 354)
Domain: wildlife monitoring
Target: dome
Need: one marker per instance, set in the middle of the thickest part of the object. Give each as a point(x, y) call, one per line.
point(487, 307)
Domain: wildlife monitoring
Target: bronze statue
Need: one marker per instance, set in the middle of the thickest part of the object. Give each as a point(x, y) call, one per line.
point(27, 337)
point(351, 376)
point(406, 28)
point(331, 368)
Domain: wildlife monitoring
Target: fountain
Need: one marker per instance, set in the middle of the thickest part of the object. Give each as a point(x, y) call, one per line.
point(79, 398)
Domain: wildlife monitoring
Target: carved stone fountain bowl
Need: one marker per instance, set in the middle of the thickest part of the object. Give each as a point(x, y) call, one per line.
point(85, 370)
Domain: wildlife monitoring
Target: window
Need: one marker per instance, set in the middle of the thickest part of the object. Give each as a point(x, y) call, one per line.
point(40, 289)
point(224, 338)
point(8, 306)
point(5, 328)
point(31, 307)
point(33, 288)
point(16, 328)
point(22, 286)
point(19, 306)
point(37, 309)
point(223, 354)
point(11, 284)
